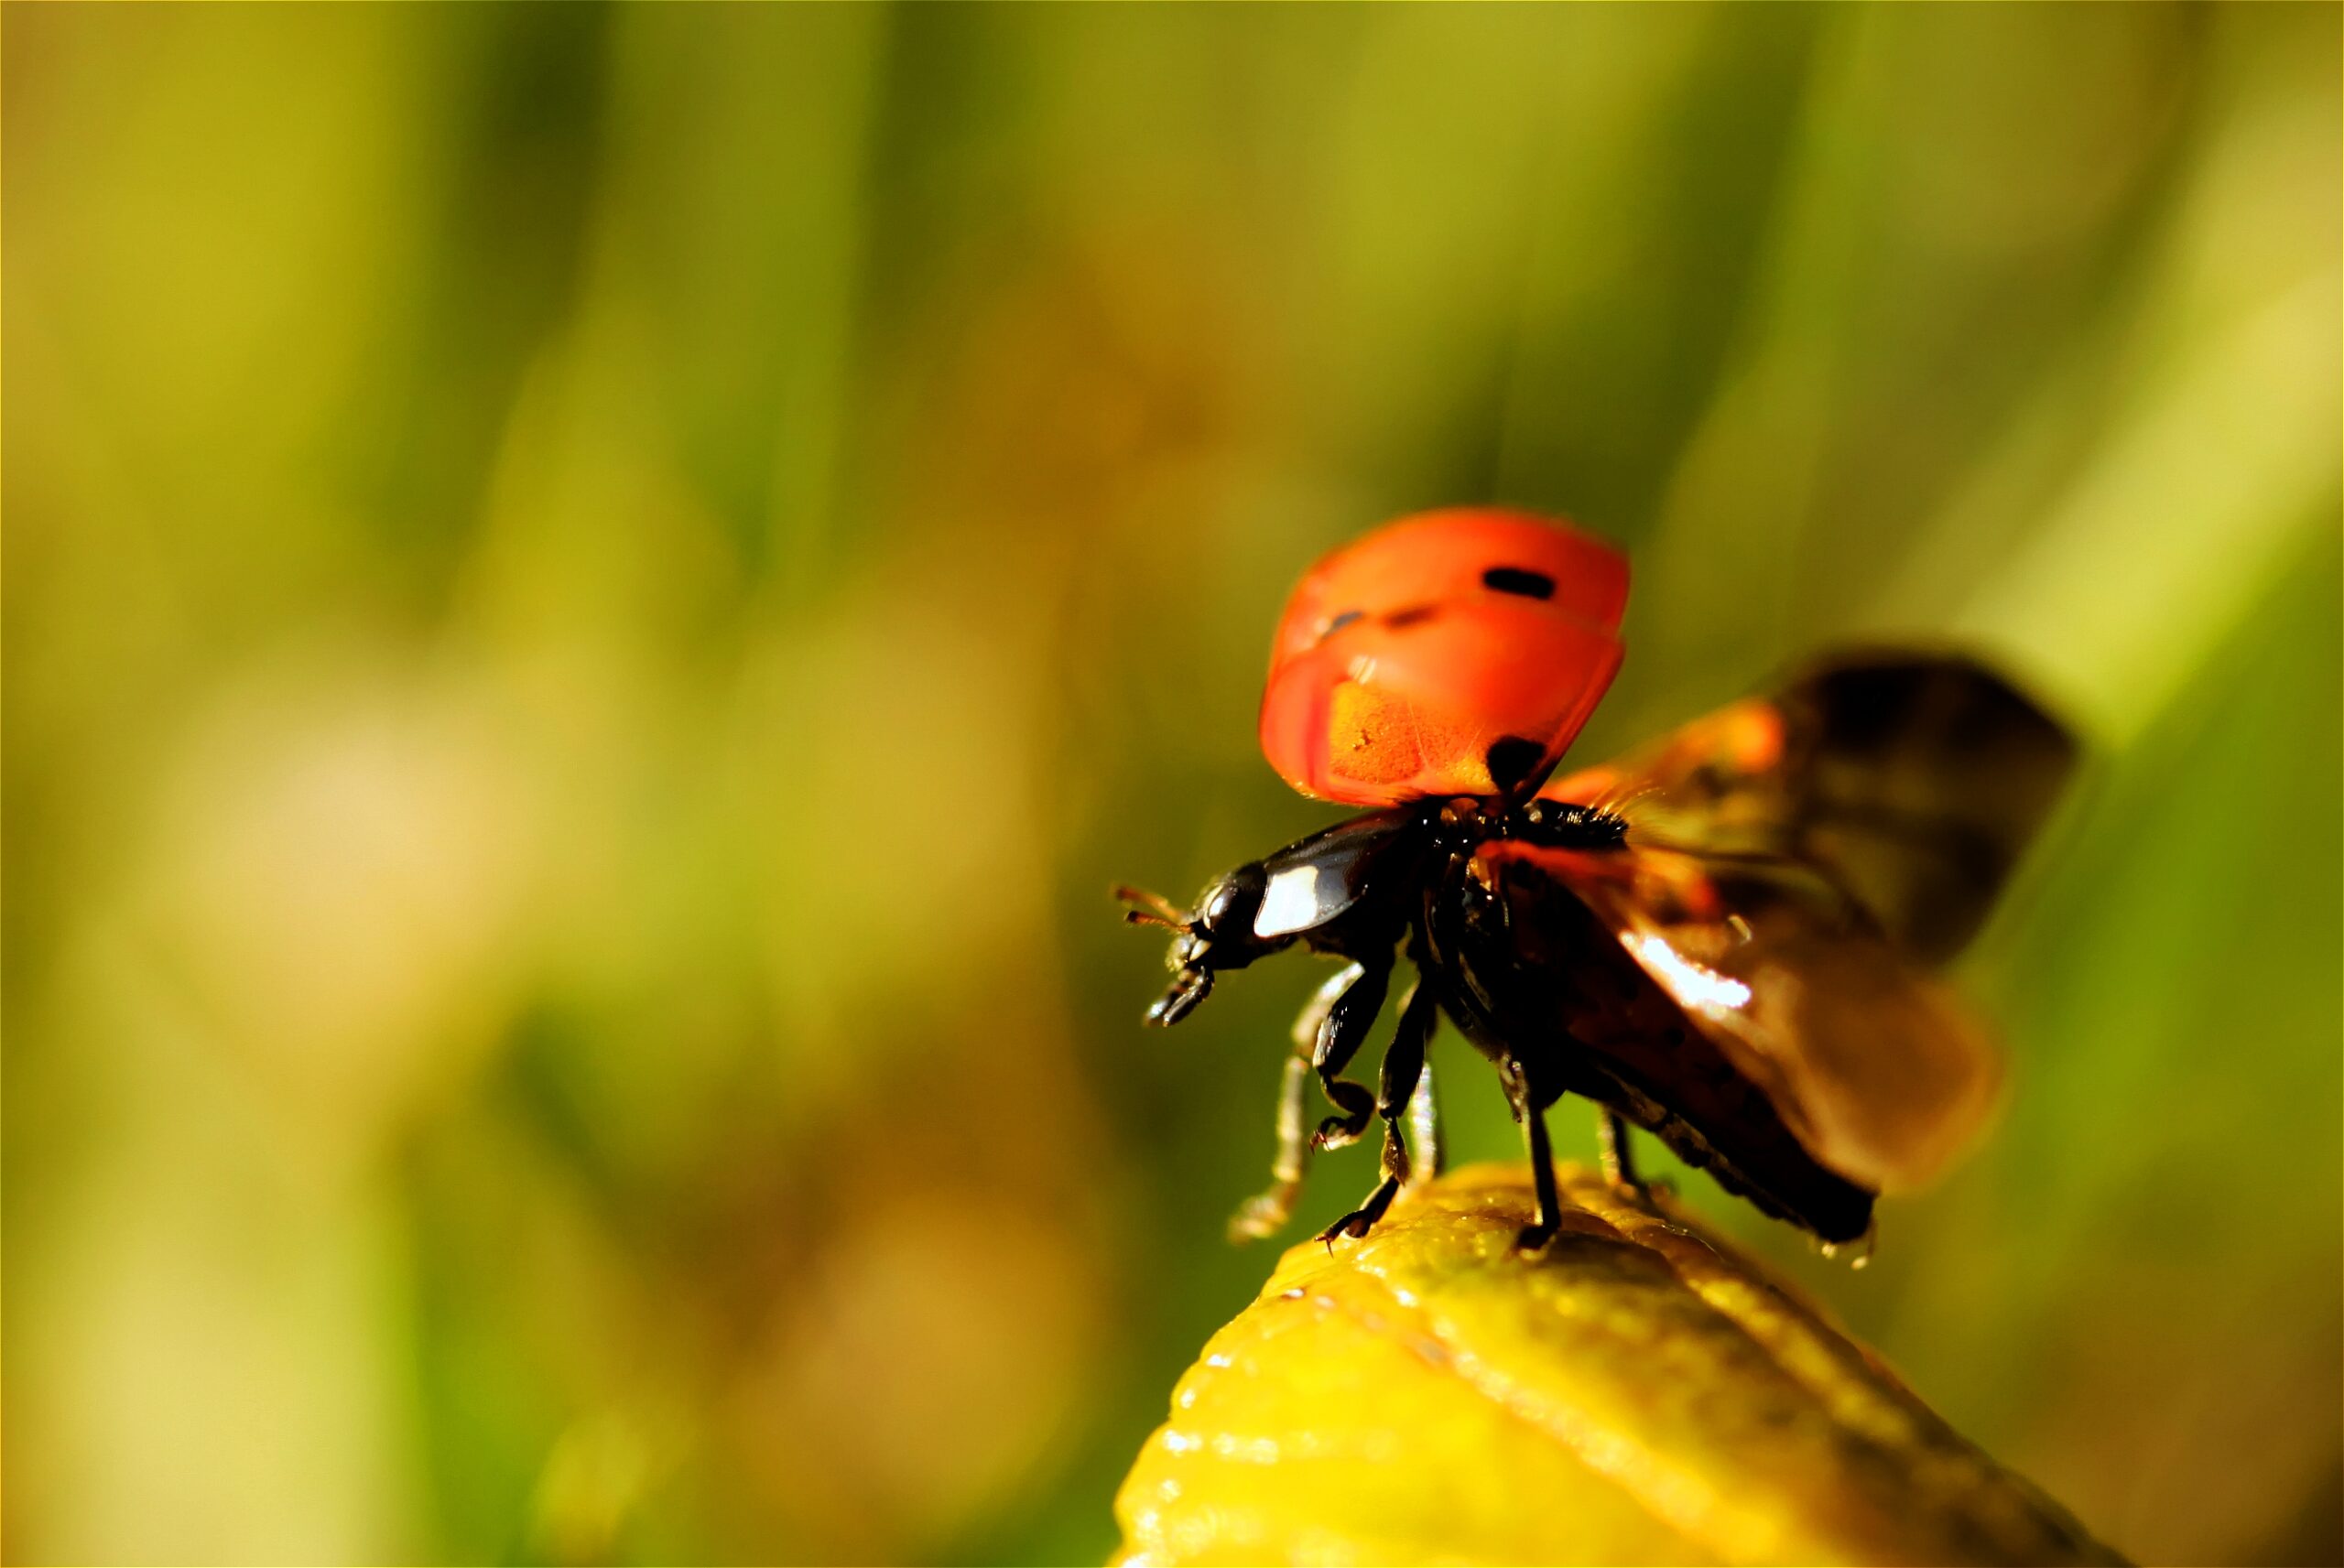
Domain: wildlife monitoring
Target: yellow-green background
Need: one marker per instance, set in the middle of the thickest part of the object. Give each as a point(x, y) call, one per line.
point(593, 598)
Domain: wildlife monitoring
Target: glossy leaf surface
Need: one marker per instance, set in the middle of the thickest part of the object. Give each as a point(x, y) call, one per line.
point(1637, 1393)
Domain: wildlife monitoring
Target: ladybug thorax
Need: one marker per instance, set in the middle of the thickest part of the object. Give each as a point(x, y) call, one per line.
point(1468, 821)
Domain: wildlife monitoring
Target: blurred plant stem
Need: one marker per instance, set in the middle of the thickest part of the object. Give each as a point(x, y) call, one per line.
point(1638, 1392)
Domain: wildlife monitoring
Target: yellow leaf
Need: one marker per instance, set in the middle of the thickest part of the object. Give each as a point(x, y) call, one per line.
point(1638, 1392)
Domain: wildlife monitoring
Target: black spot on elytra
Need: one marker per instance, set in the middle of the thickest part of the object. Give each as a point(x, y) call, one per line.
point(1519, 579)
point(1414, 615)
point(1511, 758)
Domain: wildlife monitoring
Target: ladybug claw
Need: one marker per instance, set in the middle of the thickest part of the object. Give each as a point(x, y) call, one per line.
point(1338, 1132)
point(1361, 1220)
point(1532, 1238)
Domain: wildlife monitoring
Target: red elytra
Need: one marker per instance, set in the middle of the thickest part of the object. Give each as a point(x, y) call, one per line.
point(1404, 657)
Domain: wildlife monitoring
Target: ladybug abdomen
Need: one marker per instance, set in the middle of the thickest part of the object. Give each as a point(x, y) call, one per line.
point(1530, 974)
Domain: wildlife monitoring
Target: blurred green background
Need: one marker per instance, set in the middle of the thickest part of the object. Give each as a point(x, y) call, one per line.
point(594, 597)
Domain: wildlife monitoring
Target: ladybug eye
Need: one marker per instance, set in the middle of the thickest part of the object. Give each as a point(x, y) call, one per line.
point(1230, 904)
point(1519, 579)
point(1347, 618)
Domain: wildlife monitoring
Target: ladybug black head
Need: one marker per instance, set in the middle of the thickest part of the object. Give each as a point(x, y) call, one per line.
point(1218, 934)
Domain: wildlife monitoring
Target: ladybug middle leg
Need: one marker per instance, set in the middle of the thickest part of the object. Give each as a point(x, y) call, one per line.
point(1404, 1066)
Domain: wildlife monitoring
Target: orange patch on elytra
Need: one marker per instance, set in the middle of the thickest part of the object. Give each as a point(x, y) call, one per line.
point(1375, 737)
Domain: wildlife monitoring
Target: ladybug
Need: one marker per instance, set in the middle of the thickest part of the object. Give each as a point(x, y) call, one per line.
point(1729, 938)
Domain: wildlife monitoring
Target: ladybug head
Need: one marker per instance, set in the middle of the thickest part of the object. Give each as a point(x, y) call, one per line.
point(1218, 934)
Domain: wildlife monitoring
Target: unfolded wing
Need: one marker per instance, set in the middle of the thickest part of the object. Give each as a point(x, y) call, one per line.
point(1910, 782)
point(1796, 867)
point(1868, 1059)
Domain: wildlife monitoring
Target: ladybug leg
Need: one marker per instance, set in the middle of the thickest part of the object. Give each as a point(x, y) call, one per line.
point(1313, 1016)
point(1536, 1234)
point(1615, 1152)
point(1619, 1160)
point(1268, 1213)
point(1349, 1016)
point(1423, 1109)
point(1533, 1116)
point(1404, 1066)
point(1424, 1127)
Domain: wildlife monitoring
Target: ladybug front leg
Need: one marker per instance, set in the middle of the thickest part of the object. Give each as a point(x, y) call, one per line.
point(1343, 1029)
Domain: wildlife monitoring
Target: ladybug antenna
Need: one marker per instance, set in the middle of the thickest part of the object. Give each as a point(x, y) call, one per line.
point(1149, 909)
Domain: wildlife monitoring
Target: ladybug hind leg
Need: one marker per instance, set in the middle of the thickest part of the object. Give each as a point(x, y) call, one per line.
point(1617, 1154)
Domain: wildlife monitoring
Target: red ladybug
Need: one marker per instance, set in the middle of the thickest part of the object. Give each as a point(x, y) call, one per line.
point(1726, 939)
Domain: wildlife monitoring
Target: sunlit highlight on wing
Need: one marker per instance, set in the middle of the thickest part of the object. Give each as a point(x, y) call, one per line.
point(1693, 985)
